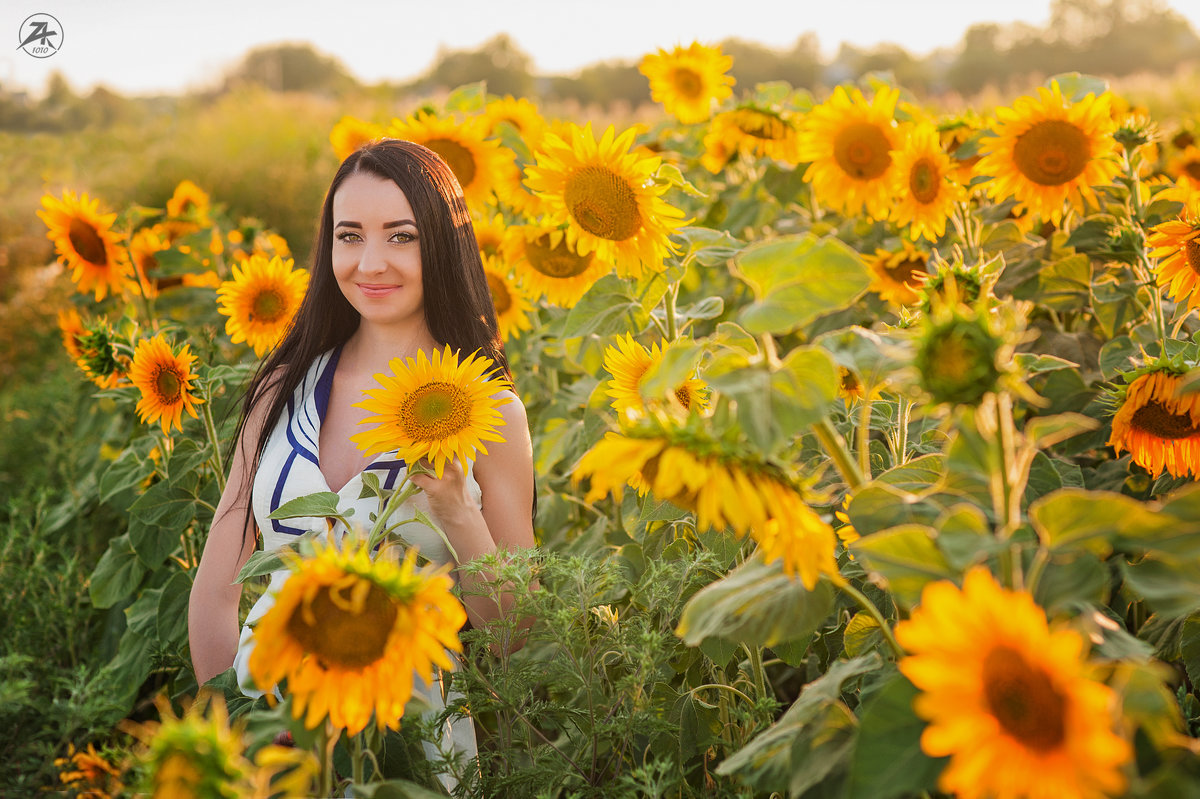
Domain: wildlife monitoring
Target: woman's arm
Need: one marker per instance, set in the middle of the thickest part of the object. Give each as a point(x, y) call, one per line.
point(505, 477)
point(213, 605)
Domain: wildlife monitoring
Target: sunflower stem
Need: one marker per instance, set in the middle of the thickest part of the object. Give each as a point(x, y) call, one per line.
point(357, 758)
point(402, 493)
point(1135, 216)
point(903, 416)
point(872, 610)
point(326, 741)
point(210, 428)
point(835, 445)
point(864, 436)
point(669, 301)
point(756, 668)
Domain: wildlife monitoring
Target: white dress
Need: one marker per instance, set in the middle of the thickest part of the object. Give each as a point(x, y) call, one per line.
point(289, 468)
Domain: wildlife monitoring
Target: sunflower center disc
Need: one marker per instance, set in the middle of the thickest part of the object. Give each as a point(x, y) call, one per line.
point(557, 261)
point(1024, 700)
point(268, 306)
point(761, 126)
point(169, 385)
point(147, 263)
point(923, 181)
point(435, 411)
point(459, 158)
point(87, 242)
point(603, 203)
point(1052, 152)
point(903, 271)
point(688, 83)
point(1154, 418)
point(500, 296)
point(1192, 168)
point(339, 636)
point(1192, 250)
point(685, 399)
point(861, 150)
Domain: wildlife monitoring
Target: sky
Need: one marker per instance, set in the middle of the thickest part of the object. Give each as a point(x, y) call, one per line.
point(151, 46)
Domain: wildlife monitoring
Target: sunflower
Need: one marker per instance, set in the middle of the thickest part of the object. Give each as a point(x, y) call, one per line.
point(347, 633)
point(1185, 168)
point(753, 132)
point(628, 362)
point(437, 408)
point(688, 81)
point(88, 775)
point(143, 248)
point(70, 325)
point(194, 756)
point(955, 132)
point(849, 142)
point(350, 133)
point(924, 189)
point(1159, 425)
point(473, 158)
point(190, 201)
point(896, 276)
point(489, 234)
point(261, 300)
point(722, 490)
point(1047, 151)
point(100, 358)
point(512, 191)
point(959, 356)
point(165, 380)
point(607, 197)
point(512, 308)
point(1008, 699)
point(1177, 243)
point(521, 113)
point(548, 265)
point(86, 243)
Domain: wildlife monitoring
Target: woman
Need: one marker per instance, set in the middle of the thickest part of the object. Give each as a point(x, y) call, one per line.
point(397, 271)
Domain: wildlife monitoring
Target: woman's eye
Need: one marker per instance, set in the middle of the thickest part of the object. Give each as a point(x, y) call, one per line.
point(403, 237)
point(347, 236)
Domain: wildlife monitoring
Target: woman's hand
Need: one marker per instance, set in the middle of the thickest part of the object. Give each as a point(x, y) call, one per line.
point(449, 501)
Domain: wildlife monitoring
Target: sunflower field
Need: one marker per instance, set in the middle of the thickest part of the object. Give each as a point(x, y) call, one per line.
point(865, 441)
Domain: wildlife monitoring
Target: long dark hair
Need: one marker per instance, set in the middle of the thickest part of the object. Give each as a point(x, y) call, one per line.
point(458, 305)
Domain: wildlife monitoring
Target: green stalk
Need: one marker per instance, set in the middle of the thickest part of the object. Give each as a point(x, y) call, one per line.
point(864, 436)
point(903, 416)
point(835, 445)
point(357, 758)
point(867, 605)
point(669, 301)
point(756, 668)
point(402, 493)
point(218, 463)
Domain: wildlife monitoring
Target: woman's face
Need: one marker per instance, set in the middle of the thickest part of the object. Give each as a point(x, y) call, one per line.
point(376, 255)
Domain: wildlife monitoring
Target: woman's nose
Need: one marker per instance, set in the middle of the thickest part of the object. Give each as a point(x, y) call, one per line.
point(372, 259)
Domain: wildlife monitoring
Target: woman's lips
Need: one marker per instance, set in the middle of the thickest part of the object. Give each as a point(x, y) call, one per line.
point(376, 290)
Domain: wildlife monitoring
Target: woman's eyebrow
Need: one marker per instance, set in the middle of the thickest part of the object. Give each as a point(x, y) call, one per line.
point(386, 225)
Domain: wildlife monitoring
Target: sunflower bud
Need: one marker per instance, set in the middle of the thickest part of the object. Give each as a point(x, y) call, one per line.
point(99, 357)
point(957, 357)
point(1134, 131)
